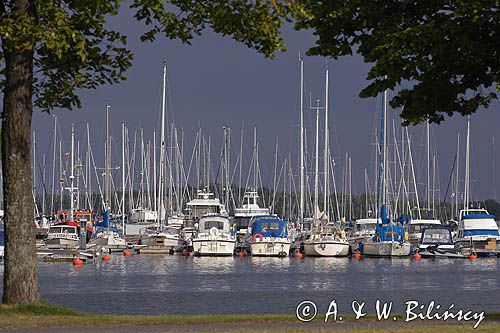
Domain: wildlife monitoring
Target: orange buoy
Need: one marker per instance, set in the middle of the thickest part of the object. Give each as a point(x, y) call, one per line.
point(417, 256)
point(473, 257)
point(242, 254)
point(185, 253)
point(356, 255)
point(106, 257)
point(127, 253)
point(77, 262)
point(298, 255)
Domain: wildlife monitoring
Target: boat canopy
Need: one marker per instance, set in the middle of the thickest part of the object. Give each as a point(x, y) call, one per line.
point(269, 226)
point(425, 222)
point(366, 221)
point(436, 236)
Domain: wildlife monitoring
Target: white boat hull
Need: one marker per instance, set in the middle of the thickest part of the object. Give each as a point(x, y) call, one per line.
point(326, 248)
point(386, 249)
point(213, 246)
point(270, 248)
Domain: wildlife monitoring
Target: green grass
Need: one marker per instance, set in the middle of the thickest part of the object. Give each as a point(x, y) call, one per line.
point(47, 315)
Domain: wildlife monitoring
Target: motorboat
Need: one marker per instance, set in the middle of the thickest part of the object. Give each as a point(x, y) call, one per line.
point(214, 237)
point(62, 236)
point(269, 236)
point(477, 230)
point(437, 242)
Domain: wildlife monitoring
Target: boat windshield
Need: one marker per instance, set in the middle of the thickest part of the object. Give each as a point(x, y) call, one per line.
point(55, 230)
point(437, 236)
point(270, 227)
point(211, 224)
point(69, 230)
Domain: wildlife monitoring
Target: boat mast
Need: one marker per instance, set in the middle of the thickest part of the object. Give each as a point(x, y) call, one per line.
point(52, 210)
point(72, 176)
point(162, 152)
point(381, 153)
point(428, 166)
point(123, 177)
point(301, 212)
point(467, 167)
point(325, 151)
point(107, 185)
point(316, 166)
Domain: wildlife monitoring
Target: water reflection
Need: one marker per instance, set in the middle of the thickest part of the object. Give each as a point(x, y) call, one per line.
point(151, 284)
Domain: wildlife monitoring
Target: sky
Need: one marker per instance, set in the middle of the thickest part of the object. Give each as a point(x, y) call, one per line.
point(217, 82)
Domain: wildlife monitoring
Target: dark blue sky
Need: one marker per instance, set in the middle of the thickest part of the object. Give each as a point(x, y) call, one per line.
point(217, 82)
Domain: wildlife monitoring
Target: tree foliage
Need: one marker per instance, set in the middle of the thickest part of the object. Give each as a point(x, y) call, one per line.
point(75, 49)
point(442, 56)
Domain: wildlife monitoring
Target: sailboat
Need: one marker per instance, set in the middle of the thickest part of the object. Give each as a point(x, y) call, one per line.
point(161, 236)
point(326, 239)
point(390, 240)
point(105, 234)
point(477, 229)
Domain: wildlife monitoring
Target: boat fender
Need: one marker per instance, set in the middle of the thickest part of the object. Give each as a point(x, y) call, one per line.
point(257, 236)
point(406, 235)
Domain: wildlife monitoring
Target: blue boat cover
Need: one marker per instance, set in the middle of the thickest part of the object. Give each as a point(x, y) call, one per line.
point(270, 227)
point(105, 220)
point(481, 233)
point(386, 232)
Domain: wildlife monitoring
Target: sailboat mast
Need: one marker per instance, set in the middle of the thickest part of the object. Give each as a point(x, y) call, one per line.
point(107, 189)
point(428, 166)
point(52, 210)
point(301, 212)
point(123, 177)
point(381, 154)
point(316, 166)
point(467, 166)
point(162, 151)
point(325, 149)
point(72, 175)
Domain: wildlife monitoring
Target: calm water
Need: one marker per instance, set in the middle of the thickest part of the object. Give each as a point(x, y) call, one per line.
point(151, 284)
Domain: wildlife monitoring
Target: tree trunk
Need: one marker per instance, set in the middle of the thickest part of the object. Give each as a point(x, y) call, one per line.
point(20, 275)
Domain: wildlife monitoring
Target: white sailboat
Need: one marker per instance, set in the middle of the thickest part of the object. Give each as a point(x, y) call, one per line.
point(390, 240)
point(160, 236)
point(106, 235)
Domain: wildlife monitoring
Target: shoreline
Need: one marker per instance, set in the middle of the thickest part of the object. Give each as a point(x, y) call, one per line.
point(50, 318)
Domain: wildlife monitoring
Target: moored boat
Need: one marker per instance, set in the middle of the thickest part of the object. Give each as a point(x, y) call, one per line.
point(269, 236)
point(214, 237)
point(326, 241)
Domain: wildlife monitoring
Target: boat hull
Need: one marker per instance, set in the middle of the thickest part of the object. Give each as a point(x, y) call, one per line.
point(162, 241)
point(268, 248)
point(60, 242)
point(213, 247)
point(326, 249)
point(386, 249)
point(488, 247)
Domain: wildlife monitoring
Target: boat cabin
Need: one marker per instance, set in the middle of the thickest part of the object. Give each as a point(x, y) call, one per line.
point(477, 223)
point(269, 226)
point(204, 204)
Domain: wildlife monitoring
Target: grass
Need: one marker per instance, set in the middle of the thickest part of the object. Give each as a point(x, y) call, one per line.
point(46, 315)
